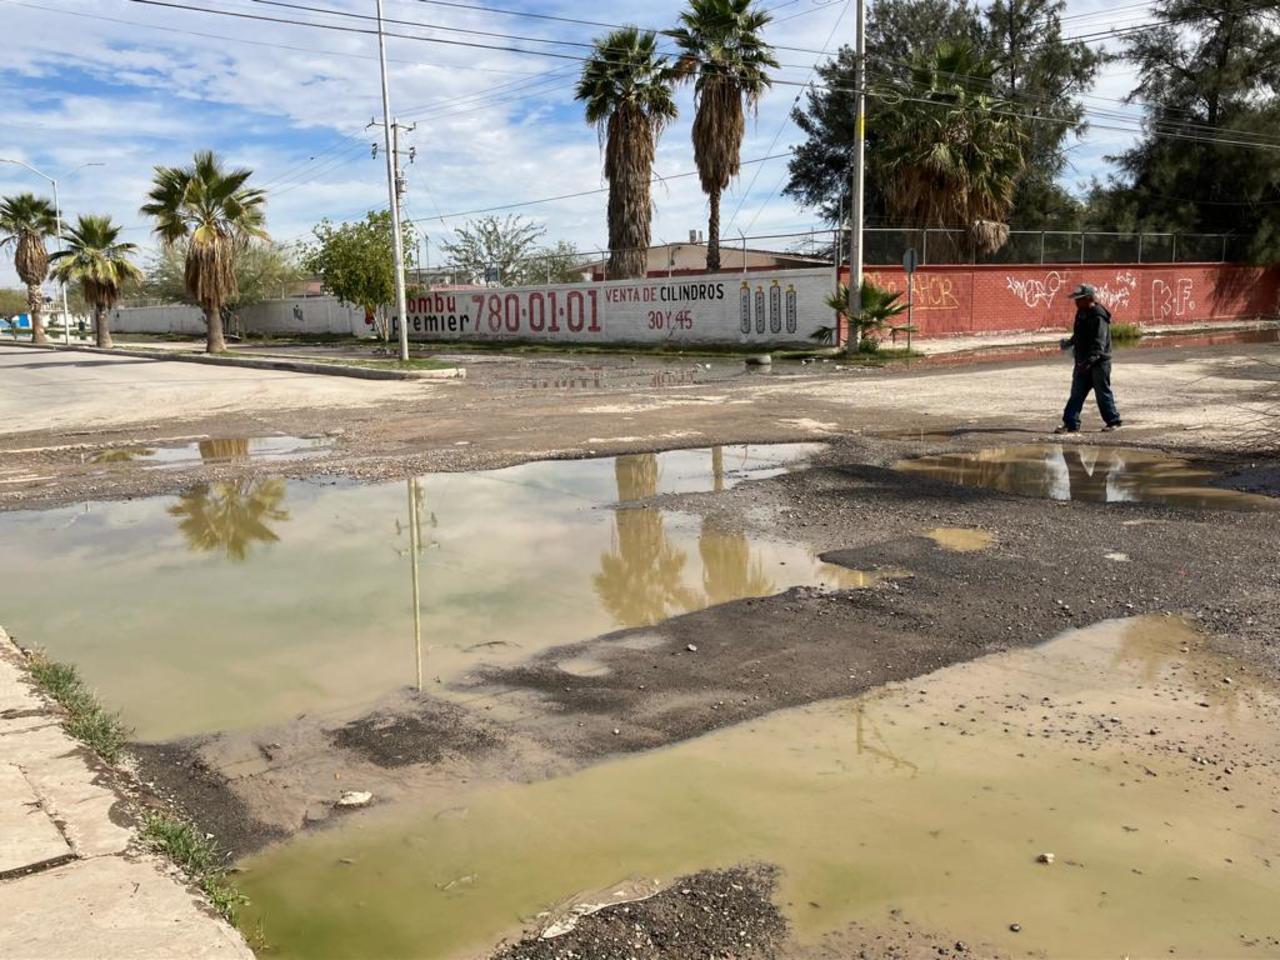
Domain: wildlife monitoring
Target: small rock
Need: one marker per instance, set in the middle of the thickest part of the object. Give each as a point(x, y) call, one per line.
point(691, 647)
point(1045, 858)
point(355, 798)
point(617, 732)
point(1015, 927)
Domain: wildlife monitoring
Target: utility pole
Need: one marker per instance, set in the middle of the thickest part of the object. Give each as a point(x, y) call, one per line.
point(393, 190)
point(859, 150)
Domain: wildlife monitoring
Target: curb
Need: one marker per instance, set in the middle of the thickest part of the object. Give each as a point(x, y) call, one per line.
point(253, 363)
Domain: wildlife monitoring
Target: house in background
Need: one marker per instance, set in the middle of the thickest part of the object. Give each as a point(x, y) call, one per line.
point(683, 259)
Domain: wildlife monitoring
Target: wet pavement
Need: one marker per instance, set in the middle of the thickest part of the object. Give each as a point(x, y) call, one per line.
point(1090, 473)
point(252, 601)
point(1126, 754)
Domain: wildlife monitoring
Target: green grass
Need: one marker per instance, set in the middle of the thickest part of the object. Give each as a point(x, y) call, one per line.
point(1125, 332)
point(199, 858)
point(87, 720)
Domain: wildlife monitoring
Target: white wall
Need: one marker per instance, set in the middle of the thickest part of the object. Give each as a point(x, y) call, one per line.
point(764, 307)
point(319, 315)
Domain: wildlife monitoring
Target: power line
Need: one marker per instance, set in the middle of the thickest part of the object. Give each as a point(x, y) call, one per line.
point(257, 43)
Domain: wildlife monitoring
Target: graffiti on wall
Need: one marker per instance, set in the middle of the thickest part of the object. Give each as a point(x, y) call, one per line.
point(1035, 292)
point(1171, 300)
point(1116, 292)
point(929, 292)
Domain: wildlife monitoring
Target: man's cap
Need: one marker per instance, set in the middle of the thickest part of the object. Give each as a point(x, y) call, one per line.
point(1082, 291)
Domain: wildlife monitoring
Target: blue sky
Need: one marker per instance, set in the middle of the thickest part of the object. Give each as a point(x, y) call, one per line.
point(129, 86)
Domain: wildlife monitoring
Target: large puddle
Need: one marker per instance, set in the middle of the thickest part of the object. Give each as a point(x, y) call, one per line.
point(1095, 474)
point(249, 602)
point(217, 451)
point(1121, 750)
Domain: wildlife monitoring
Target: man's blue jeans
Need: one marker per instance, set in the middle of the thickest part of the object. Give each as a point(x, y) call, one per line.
point(1095, 377)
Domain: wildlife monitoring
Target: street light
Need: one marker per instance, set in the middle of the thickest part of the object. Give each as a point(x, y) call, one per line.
point(57, 210)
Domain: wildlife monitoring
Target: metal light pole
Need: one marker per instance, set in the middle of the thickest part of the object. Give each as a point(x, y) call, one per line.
point(397, 241)
point(57, 212)
point(859, 151)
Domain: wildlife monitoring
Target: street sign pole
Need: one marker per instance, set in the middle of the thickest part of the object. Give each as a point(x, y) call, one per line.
point(909, 263)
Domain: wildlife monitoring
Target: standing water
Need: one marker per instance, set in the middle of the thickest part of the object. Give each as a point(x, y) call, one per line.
point(250, 601)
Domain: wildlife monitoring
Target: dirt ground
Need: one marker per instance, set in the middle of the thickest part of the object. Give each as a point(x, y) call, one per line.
point(1047, 569)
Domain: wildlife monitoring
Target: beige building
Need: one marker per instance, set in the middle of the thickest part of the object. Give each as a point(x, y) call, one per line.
point(686, 258)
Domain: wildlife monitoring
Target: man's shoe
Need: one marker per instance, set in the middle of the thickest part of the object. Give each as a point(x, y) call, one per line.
point(1065, 429)
point(1113, 426)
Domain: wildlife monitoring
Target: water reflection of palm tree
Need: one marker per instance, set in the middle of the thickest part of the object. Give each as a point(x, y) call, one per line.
point(641, 578)
point(216, 451)
point(729, 572)
point(230, 517)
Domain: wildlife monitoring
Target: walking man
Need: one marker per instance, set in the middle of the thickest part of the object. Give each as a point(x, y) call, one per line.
point(1090, 342)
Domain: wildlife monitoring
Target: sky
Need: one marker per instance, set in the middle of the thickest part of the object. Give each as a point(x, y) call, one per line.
point(124, 86)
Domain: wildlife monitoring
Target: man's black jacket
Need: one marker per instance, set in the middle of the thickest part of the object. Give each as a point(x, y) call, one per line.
point(1091, 339)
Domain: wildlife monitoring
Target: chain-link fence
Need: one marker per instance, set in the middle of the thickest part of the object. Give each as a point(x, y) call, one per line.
point(882, 246)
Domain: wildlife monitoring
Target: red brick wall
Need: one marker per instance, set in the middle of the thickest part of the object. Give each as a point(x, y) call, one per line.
point(994, 298)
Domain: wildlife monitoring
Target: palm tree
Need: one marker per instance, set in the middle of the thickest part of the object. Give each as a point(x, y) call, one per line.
point(99, 262)
point(627, 88)
point(216, 215)
point(955, 154)
point(25, 220)
point(723, 52)
point(876, 307)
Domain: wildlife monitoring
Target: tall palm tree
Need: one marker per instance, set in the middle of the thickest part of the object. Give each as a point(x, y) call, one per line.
point(25, 220)
point(100, 263)
point(723, 52)
point(627, 88)
point(211, 210)
point(955, 154)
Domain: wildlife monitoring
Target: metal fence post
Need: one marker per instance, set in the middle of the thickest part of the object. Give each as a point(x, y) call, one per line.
point(1140, 236)
point(1042, 248)
point(1174, 258)
point(1081, 246)
point(924, 247)
point(1224, 249)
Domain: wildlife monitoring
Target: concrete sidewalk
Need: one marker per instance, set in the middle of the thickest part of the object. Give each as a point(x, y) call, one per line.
point(74, 881)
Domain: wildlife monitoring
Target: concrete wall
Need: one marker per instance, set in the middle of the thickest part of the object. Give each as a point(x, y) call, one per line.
point(992, 298)
point(314, 315)
point(768, 306)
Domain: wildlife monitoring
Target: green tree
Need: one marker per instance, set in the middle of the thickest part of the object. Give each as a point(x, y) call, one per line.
point(723, 52)
point(356, 263)
point(562, 262)
point(1035, 69)
point(100, 264)
point(1043, 75)
point(1209, 75)
point(25, 221)
point(954, 156)
point(898, 33)
point(213, 212)
point(506, 245)
point(12, 302)
point(627, 88)
point(264, 271)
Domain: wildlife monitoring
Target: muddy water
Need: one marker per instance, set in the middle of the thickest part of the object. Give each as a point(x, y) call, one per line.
point(1081, 472)
point(225, 450)
point(252, 601)
point(934, 798)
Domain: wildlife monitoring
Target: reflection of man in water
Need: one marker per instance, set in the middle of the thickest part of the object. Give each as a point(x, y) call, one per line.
point(1090, 342)
point(1089, 471)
